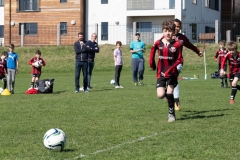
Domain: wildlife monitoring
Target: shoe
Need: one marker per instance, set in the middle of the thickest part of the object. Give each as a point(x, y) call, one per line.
point(117, 87)
point(140, 83)
point(86, 90)
point(12, 92)
point(171, 118)
point(177, 107)
point(121, 87)
point(135, 84)
point(76, 91)
point(81, 89)
point(232, 101)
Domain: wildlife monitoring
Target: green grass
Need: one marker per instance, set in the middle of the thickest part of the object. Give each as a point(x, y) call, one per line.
point(118, 124)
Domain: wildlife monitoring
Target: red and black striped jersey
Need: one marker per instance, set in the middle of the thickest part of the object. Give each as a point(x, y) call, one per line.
point(233, 62)
point(3, 67)
point(220, 54)
point(186, 43)
point(36, 70)
point(169, 56)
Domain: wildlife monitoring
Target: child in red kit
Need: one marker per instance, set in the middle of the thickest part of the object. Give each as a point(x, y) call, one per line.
point(3, 68)
point(37, 62)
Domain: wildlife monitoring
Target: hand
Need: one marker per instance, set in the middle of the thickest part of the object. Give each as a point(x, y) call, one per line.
point(200, 54)
point(162, 74)
point(222, 72)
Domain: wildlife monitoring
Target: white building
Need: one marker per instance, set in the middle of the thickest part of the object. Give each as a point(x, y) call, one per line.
point(119, 19)
point(1, 22)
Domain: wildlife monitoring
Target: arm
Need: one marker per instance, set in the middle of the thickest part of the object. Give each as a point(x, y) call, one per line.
point(152, 56)
point(225, 58)
point(177, 62)
point(17, 66)
point(189, 45)
point(131, 49)
point(76, 47)
point(96, 48)
point(216, 56)
point(43, 62)
point(30, 61)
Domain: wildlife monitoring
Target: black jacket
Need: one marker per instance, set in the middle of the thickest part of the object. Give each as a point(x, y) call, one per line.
point(81, 51)
point(94, 49)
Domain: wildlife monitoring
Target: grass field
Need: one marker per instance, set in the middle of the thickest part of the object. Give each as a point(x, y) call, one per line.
point(118, 124)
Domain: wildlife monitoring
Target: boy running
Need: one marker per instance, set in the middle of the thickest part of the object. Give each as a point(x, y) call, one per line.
point(169, 56)
point(183, 40)
point(233, 58)
point(221, 52)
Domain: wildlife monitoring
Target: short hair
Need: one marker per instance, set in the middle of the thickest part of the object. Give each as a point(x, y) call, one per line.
point(5, 53)
point(119, 42)
point(169, 25)
point(222, 42)
point(38, 52)
point(80, 33)
point(11, 46)
point(178, 21)
point(232, 46)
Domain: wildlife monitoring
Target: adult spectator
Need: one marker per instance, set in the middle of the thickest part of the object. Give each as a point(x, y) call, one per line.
point(137, 48)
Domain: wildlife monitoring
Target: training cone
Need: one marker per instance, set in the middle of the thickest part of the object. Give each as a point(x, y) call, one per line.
point(5, 92)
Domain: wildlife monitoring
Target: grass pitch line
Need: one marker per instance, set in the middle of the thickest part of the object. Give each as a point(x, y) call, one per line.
point(117, 146)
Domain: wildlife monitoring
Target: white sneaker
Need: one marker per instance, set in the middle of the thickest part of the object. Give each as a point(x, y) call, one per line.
point(88, 88)
point(117, 86)
point(171, 117)
point(81, 89)
point(121, 87)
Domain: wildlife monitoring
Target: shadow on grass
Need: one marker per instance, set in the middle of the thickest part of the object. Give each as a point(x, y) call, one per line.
point(197, 114)
point(68, 150)
point(58, 92)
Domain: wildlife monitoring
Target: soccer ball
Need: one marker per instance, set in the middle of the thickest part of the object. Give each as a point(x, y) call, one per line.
point(37, 64)
point(55, 139)
point(112, 81)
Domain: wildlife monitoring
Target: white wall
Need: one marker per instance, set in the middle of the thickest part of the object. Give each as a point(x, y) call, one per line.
point(2, 21)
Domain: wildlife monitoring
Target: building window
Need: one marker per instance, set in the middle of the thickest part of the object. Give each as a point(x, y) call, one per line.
point(104, 1)
point(194, 1)
point(213, 4)
point(144, 27)
point(29, 28)
point(63, 1)
point(1, 2)
point(194, 31)
point(209, 29)
point(1, 31)
point(28, 5)
point(63, 27)
point(104, 31)
point(171, 4)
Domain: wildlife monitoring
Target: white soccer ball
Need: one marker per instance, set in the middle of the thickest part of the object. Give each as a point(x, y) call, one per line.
point(112, 81)
point(36, 64)
point(55, 139)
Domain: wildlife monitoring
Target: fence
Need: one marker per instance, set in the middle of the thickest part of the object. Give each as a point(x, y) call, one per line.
point(55, 35)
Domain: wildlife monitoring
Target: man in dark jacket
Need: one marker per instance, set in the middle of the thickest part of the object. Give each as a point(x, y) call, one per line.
point(91, 55)
point(81, 50)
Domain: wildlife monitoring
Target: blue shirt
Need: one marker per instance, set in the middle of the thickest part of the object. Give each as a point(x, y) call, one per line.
point(137, 45)
point(12, 60)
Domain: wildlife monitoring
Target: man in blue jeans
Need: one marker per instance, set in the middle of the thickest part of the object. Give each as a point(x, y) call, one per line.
point(91, 55)
point(137, 48)
point(81, 50)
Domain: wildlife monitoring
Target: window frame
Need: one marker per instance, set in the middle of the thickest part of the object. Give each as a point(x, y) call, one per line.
point(63, 28)
point(1, 3)
point(31, 29)
point(63, 1)
point(104, 31)
point(2, 28)
point(194, 31)
point(33, 7)
point(144, 27)
point(104, 1)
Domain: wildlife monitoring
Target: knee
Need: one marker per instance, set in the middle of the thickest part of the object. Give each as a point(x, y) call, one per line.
point(160, 95)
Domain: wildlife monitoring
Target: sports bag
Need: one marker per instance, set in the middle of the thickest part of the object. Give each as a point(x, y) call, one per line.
point(45, 86)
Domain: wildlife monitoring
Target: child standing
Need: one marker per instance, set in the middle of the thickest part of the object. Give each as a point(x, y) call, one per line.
point(12, 68)
point(221, 52)
point(169, 56)
point(233, 58)
point(118, 63)
point(3, 68)
point(36, 70)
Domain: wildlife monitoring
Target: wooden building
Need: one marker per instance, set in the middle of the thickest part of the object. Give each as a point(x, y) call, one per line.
point(44, 22)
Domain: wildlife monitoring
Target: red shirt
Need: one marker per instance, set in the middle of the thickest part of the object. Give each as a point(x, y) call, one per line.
point(3, 67)
point(220, 55)
point(36, 70)
point(233, 62)
point(168, 58)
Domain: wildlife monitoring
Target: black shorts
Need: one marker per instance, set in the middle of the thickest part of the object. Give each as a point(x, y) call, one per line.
point(36, 75)
point(163, 82)
point(231, 76)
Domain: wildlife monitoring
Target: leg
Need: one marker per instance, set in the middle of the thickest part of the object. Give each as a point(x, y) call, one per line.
point(116, 75)
point(36, 81)
point(134, 70)
point(32, 82)
point(234, 89)
point(119, 73)
point(77, 76)
point(9, 80)
point(169, 96)
point(4, 83)
point(90, 69)
point(13, 80)
point(141, 68)
point(176, 93)
point(85, 75)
